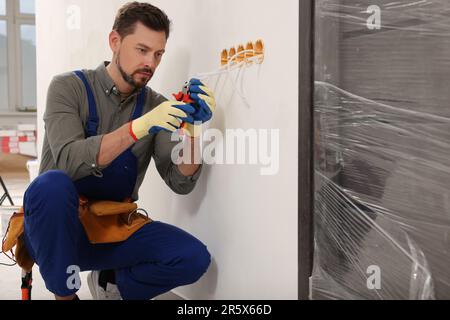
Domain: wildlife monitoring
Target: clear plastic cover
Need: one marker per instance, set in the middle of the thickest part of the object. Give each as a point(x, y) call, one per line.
point(382, 150)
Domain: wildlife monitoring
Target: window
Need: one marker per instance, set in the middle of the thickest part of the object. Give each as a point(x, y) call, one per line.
point(28, 62)
point(2, 7)
point(17, 56)
point(3, 68)
point(27, 6)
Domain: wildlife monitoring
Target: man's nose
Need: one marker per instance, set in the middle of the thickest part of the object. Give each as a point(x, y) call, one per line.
point(150, 62)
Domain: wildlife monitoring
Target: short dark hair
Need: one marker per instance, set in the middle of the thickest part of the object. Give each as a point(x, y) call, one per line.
point(149, 15)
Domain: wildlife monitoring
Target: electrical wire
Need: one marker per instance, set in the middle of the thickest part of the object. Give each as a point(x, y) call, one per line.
point(228, 68)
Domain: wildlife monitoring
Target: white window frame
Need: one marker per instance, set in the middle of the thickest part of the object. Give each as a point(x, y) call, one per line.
point(14, 19)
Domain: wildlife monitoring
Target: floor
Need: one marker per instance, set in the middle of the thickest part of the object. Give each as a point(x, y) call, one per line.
point(14, 172)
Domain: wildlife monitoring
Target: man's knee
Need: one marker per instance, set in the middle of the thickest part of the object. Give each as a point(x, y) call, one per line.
point(196, 261)
point(55, 178)
point(50, 187)
point(54, 182)
point(203, 261)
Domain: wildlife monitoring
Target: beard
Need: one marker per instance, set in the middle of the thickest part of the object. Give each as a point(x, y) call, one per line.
point(130, 78)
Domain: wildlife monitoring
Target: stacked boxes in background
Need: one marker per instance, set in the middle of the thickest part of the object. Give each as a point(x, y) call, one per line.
point(21, 140)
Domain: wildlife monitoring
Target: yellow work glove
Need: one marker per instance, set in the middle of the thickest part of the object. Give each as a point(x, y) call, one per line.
point(193, 131)
point(168, 116)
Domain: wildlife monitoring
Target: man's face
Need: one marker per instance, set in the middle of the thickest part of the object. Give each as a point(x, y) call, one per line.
point(139, 54)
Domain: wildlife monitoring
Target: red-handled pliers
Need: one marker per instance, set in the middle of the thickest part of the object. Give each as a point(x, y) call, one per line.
point(183, 96)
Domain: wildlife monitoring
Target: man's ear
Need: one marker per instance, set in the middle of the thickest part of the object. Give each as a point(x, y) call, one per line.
point(114, 41)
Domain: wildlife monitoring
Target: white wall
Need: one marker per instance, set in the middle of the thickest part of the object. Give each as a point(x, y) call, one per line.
point(248, 221)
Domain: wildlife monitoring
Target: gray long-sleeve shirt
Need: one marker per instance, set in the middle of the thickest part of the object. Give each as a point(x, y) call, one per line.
point(66, 147)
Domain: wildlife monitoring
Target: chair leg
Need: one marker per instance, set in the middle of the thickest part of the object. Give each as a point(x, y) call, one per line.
point(6, 194)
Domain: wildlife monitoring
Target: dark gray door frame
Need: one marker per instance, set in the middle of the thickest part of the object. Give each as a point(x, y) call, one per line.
point(306, 148)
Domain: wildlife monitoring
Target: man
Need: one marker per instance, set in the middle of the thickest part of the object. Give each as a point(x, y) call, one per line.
point(103, 127)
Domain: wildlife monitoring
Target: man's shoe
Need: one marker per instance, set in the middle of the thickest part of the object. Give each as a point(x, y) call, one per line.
point(111, 292)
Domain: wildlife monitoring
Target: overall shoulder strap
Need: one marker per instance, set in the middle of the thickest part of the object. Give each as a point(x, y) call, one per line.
point(93, 121)
point(140, 104)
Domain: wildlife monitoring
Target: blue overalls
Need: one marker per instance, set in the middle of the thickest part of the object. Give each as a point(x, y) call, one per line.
point(156, 259)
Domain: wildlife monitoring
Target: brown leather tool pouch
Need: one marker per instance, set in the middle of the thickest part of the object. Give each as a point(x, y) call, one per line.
point(110, 222)
point(14, 238)
point(14, 231)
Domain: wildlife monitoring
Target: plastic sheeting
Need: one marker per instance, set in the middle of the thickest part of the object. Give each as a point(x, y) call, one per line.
point(382, 151)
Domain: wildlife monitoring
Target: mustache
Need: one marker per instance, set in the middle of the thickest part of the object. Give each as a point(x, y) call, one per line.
point(144, 70)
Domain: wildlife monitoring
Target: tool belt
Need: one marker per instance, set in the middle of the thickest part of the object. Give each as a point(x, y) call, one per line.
point(103, 221)
point(110, 222)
